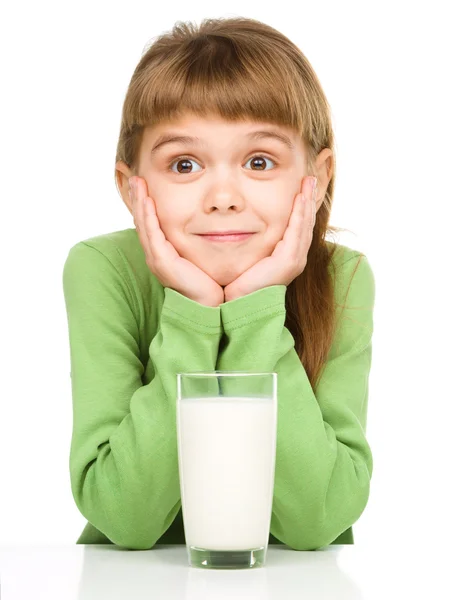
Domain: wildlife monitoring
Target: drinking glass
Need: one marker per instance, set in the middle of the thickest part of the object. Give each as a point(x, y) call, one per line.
point(226, 437)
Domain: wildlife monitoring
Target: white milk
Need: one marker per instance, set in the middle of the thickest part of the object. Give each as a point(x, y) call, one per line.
point(226, 454)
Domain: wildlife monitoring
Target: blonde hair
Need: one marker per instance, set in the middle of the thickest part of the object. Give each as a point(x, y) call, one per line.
point(239, 69)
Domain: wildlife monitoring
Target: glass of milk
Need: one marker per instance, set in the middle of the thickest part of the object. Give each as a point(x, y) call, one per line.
point(226, 436)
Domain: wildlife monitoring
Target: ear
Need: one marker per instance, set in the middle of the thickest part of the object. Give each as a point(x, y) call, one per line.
point(324, 165)
point(123, 174)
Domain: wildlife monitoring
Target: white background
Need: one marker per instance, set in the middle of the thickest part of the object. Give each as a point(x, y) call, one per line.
point(65, 68)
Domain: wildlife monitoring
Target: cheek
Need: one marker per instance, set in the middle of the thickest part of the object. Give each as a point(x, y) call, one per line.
point(278, 221)
point(168, 219)
point(275, 231)
point(176, 232)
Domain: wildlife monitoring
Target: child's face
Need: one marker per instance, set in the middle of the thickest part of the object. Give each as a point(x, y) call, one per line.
point(221, 188)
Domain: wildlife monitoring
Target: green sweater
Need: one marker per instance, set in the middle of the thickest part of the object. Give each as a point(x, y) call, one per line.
point(129, 336)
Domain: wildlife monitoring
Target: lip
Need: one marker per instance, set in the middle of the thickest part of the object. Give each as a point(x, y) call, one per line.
point(231, 237)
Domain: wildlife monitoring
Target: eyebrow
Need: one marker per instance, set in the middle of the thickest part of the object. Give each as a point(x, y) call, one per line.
point(170, 138)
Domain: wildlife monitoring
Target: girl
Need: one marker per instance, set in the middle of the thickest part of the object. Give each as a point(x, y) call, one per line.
point(225, 127)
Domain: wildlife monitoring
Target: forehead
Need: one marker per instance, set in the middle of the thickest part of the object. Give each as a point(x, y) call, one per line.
point(195, 129)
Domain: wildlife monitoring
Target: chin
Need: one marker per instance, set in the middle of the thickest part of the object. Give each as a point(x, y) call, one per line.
point(224, 276)
point(225, 269)
point(225, 280)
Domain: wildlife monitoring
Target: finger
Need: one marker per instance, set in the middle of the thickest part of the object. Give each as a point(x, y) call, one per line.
point(309, 217)
point(139, 218)
point(300, 232)
point(298, 235)
point(314, 207)
point(313, 190)
point(296, 223)
point(155, 238)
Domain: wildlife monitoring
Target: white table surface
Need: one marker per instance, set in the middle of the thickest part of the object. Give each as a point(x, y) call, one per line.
point(337, 572)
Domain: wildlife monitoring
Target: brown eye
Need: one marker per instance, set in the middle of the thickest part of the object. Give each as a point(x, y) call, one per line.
point(260, 162)
point(183, 165)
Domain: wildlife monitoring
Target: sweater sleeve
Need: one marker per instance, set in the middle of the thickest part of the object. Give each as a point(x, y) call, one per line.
point(123, 456)
point(323, 460)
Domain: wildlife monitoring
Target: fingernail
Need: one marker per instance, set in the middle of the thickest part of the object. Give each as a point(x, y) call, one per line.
point(314, 181)
point(131, 183)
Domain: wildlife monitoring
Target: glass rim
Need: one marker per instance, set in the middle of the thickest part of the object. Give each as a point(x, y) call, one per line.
point(225, 373)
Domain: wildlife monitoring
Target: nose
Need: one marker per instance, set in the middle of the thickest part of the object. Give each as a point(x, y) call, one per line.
point(225, 202)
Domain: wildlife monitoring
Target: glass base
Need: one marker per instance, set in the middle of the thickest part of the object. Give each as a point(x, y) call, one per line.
point(226, 559)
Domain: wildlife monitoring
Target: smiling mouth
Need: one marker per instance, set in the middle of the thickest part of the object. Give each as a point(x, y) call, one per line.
point(231, 237)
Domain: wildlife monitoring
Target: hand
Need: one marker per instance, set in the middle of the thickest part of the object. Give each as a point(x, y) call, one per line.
point(289, 257)
point(162, 258)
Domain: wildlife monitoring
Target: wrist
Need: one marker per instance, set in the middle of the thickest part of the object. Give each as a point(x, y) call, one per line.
point(231, 294)
point(214, 302)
